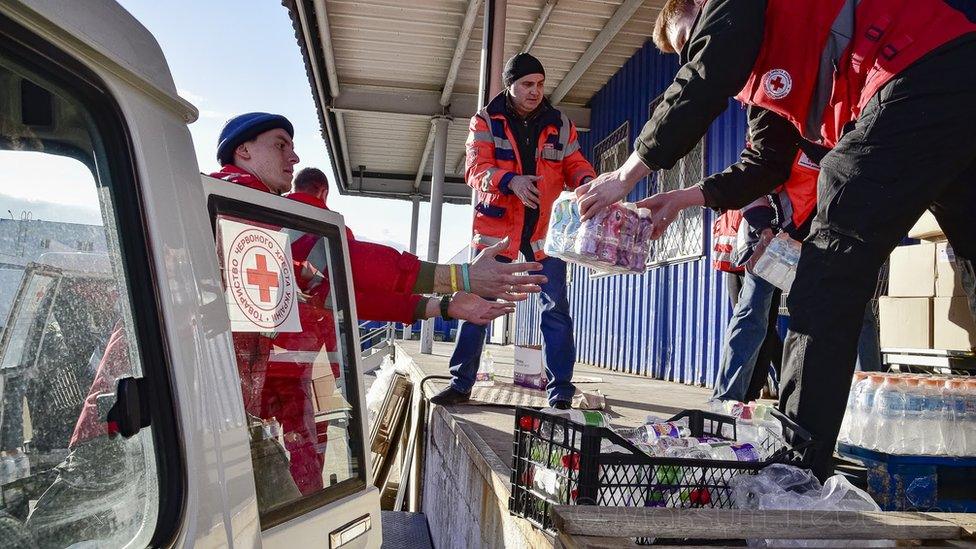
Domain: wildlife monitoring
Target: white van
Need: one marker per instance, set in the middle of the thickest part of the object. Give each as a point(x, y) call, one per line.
point(122, 416)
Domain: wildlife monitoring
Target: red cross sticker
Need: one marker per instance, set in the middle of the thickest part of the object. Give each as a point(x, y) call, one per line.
point(263, 278)
point(777, 83)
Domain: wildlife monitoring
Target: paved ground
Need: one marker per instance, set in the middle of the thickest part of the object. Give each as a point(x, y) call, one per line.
point(631, 398)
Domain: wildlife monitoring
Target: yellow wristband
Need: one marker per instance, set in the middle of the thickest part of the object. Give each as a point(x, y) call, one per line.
point(454, 281)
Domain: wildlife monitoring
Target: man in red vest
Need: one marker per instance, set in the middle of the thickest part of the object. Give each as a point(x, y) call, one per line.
point(883, 91)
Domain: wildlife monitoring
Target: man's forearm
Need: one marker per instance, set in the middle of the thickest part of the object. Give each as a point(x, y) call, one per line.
point(434, 278)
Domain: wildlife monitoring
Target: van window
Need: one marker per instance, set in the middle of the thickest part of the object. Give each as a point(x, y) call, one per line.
point(66, 317)
point(289, 311)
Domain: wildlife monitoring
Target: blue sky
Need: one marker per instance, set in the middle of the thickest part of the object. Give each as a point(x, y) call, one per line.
point(229, 57)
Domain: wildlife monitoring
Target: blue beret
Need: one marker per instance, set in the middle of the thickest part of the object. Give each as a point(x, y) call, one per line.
point(246, 127)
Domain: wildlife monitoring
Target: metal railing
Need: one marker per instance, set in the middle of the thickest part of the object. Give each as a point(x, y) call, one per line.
point(375, 343)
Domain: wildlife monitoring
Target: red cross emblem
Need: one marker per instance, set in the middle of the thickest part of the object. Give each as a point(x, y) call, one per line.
point(777, 83)
point(263, 278)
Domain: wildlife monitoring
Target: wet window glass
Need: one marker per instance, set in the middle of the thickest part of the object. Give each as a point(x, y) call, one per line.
point(66, 477)
point(292, 331)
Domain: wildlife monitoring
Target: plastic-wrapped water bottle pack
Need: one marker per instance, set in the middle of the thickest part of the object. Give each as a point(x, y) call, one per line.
point(616, 240)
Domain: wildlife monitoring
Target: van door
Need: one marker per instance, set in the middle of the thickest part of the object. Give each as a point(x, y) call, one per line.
point(79, 319)
point(288, 291)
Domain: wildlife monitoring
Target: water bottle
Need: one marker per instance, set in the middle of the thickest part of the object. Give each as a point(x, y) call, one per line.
point(845, 427)
point(486, 371)
point(970, 425)
point(931, 422)
point(734, 451)
point(954, 430)
point(867, 428)
point(7, 469)
point(889, 407)
point(21, 464)
point(910, 441)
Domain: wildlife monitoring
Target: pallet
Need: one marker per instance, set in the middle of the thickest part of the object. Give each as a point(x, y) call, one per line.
point(589, 527)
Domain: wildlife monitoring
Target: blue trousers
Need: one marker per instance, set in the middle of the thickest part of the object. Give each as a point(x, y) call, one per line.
point(747, 331)
point(744, 338)
point(559, 348)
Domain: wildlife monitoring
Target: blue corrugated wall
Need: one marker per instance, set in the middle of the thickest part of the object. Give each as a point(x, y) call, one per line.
point(668, 323)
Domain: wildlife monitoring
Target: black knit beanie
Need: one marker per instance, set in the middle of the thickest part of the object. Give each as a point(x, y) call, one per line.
point(522, 64)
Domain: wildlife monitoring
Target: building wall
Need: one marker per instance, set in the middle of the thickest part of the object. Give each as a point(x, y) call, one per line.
point(668, 323)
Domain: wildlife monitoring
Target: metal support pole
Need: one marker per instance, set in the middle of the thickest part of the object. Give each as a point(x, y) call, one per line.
point(492, 64)
point(414, 223)
point(436, 206)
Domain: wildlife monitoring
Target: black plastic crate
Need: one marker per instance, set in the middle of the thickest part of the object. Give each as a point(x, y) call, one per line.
point(582, 470)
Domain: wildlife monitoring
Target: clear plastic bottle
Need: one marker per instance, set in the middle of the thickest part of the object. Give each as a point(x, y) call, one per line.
point(867, 428)
point(21, 464)
point(8, 471)
point(486, 371)
point(889, 408)
point(845, 427)
point(931, 420)
point(954, 428)
point(910, 441)
point(970, 425)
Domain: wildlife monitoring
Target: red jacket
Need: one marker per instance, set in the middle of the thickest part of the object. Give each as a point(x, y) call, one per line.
point(493, 160)
point(383, 278)
point(887, 37)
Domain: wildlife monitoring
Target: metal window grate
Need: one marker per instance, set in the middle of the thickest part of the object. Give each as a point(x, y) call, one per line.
point(685, 238)
point(612, 152)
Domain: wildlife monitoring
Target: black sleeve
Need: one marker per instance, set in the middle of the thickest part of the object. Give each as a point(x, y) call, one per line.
point(765, 164)
point(717, 60)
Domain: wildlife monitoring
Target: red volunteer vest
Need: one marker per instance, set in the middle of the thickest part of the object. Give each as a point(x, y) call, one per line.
point(887, 37)
point(724, 232)
point(798, 196)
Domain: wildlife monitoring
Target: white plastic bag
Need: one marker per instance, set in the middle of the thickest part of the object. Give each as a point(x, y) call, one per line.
point(784, 487)
point(377, 391)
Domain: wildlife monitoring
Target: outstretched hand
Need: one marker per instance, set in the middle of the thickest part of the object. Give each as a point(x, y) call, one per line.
point(665, 207)
point(596, 195)
point(471, 308)
point(494, 279)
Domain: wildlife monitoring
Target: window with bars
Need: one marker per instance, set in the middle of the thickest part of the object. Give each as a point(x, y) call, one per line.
point(685, 237)
point(613, 151)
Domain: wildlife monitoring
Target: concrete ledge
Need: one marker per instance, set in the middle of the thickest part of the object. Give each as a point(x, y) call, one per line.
point(466, 485)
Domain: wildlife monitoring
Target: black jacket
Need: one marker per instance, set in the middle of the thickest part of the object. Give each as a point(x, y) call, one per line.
point(716, 62)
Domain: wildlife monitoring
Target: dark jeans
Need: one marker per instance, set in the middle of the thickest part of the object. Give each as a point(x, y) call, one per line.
point(914, 147)
point(558, 346)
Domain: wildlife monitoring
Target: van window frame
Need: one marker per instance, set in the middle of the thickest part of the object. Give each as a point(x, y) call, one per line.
point(260, 212)
point(26, 49)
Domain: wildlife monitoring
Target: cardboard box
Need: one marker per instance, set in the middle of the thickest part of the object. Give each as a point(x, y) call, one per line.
point(948, 278)
point(327, 396)
point(906, 322)
point(955, 329)
point(912, 271)
point(529, 367)
point(927, 228)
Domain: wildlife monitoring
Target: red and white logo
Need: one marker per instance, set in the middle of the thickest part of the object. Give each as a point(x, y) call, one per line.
point(777, 83)
point(261, 288)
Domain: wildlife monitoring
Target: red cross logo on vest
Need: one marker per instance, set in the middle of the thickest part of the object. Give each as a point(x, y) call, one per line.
point(262, 278)
point(777, 83)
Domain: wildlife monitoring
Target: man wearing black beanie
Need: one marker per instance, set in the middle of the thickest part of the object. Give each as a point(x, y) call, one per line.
point(521, 154)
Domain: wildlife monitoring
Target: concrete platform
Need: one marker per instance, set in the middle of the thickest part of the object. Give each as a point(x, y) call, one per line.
point(468, 451)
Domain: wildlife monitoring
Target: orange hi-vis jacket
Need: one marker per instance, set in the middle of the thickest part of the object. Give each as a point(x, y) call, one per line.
point(493, 160)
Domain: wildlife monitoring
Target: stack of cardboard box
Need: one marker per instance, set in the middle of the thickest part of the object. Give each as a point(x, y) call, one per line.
point(926, 307)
